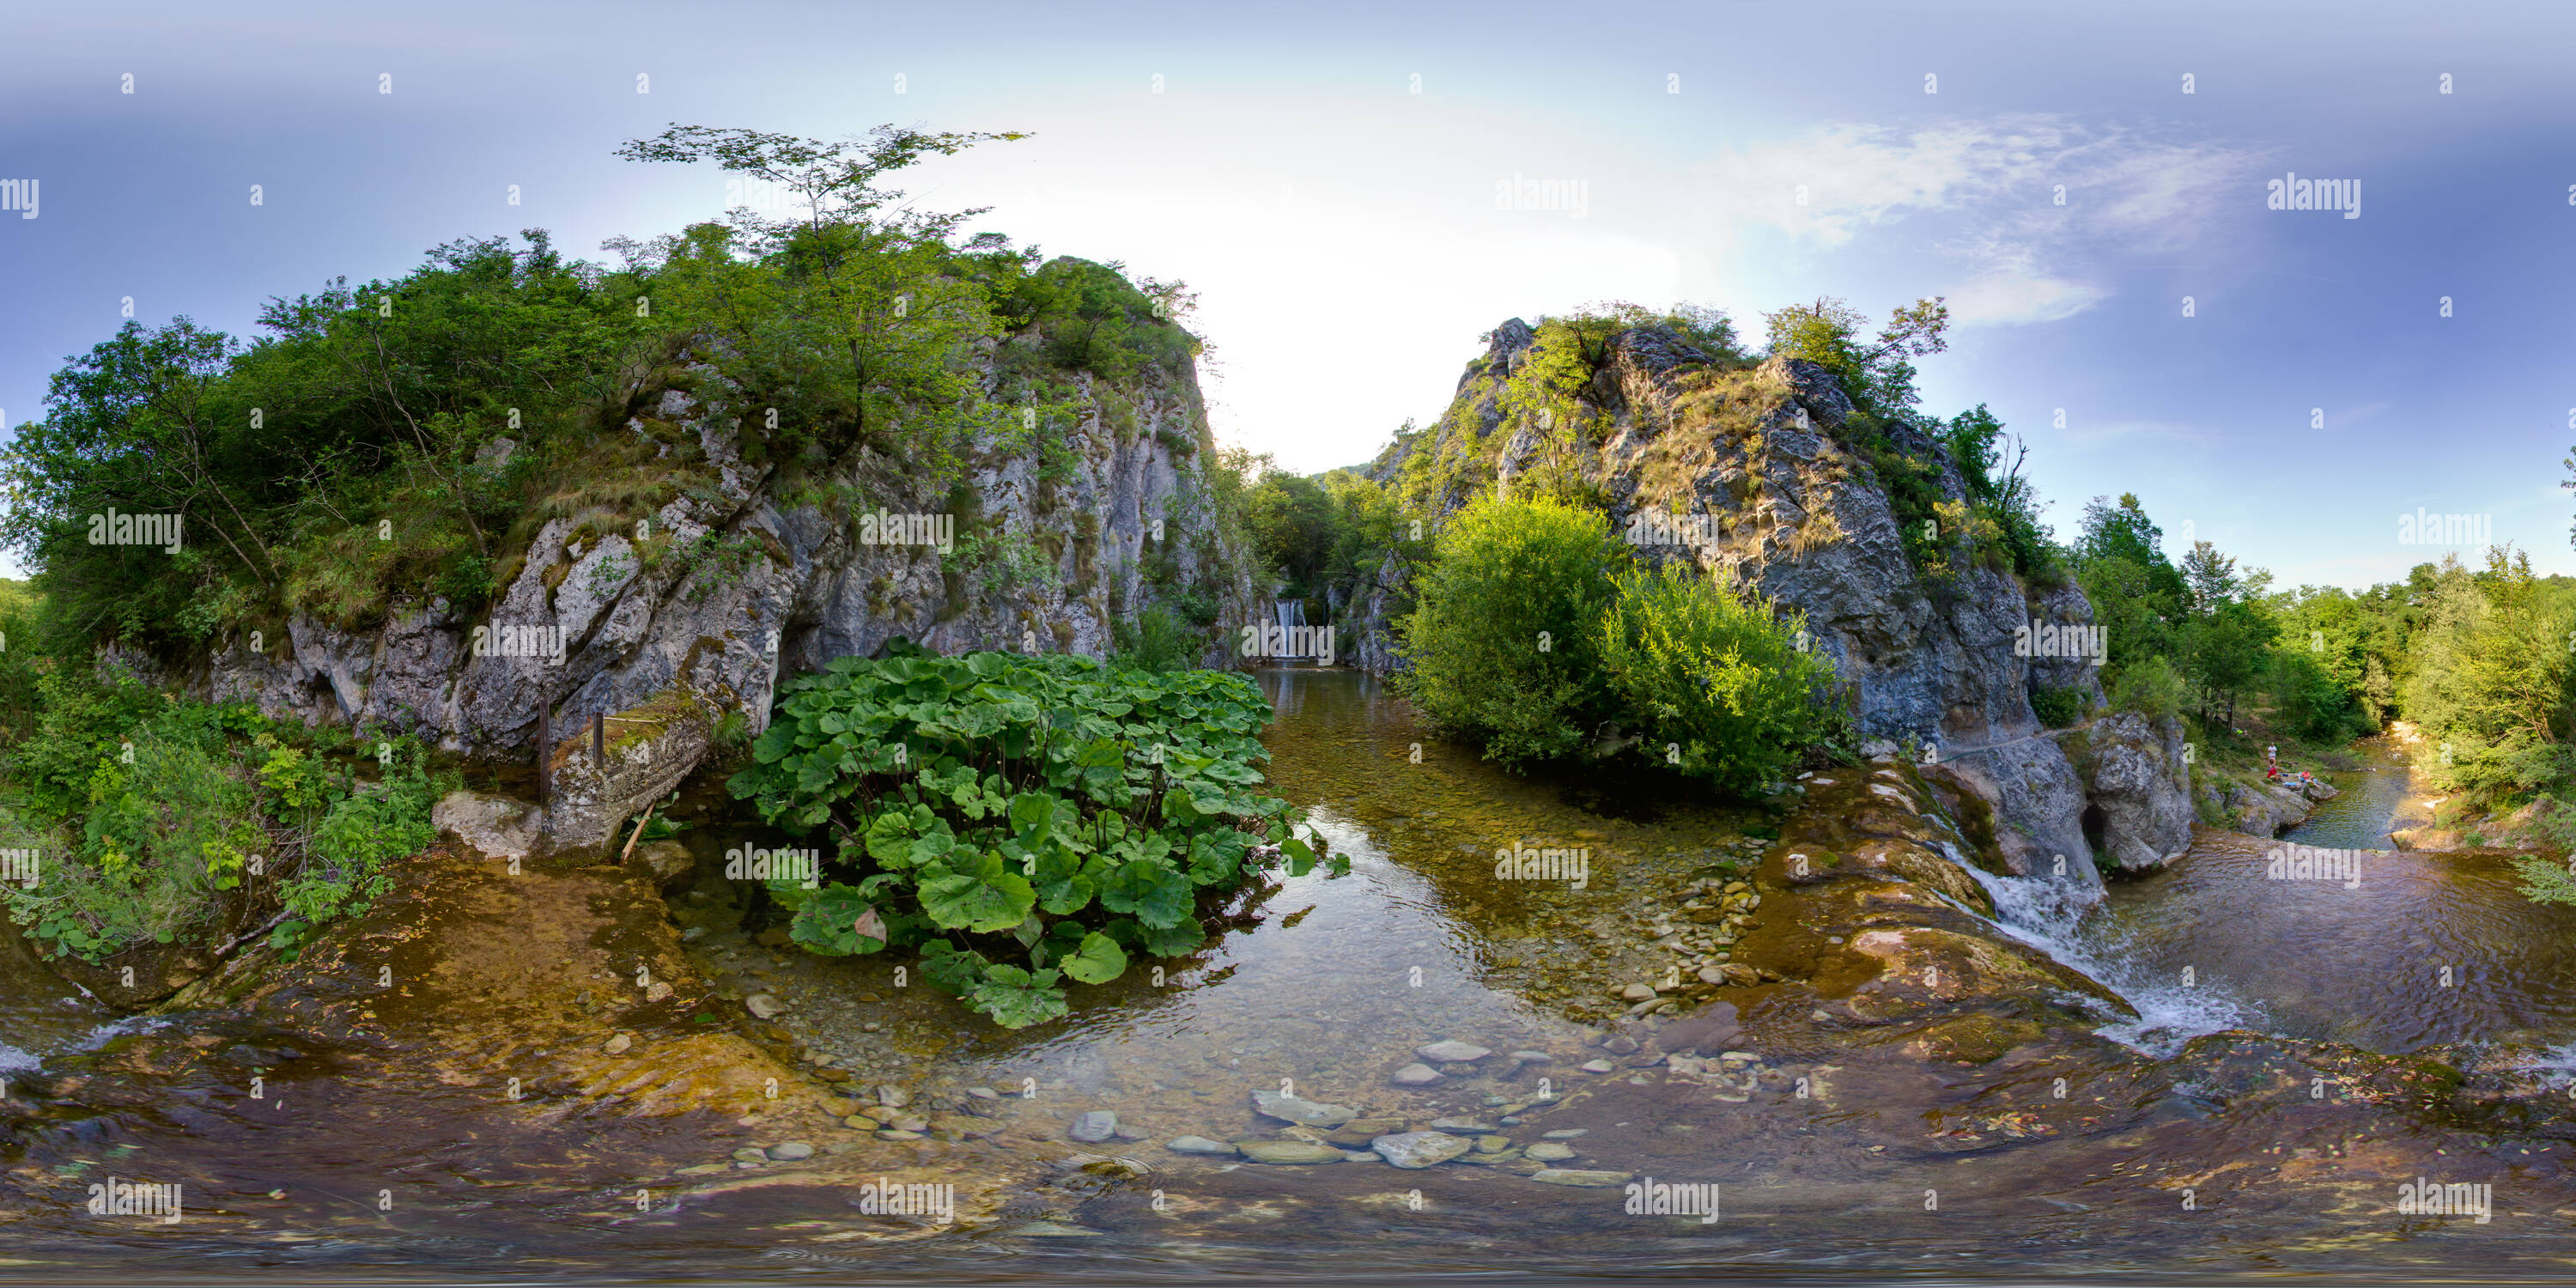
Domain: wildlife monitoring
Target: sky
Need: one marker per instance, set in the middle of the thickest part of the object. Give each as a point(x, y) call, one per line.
point(2085, 185)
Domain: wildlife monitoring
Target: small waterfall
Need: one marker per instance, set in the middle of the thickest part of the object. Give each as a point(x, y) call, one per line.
point(1292, 622)
point(2064, 920)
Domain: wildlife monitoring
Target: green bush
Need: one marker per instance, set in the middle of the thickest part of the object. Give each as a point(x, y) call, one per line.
point(1503, 639)
point(2151, 687)
point(1157, 641)
point(2056, 707)
point(1716, 680)
point(993, 801)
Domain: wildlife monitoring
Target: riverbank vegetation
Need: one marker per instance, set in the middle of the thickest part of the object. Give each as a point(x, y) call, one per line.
point(402, 440)
point(1046, 807)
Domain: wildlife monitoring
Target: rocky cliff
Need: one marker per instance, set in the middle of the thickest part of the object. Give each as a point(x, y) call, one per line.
point(670, 626)
point(1756, 472)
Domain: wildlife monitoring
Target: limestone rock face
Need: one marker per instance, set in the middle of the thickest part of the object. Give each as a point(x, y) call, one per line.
point(1751, 472)
point(670, 623)
point(2141, 788)
point(2265, 811)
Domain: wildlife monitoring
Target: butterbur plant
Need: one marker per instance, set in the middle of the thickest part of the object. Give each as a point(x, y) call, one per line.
point(994, 805)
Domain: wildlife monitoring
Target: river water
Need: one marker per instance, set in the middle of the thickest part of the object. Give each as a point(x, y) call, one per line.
point(2185, 1157)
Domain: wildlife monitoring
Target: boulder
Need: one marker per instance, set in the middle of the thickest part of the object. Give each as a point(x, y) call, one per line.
point(2140, 792)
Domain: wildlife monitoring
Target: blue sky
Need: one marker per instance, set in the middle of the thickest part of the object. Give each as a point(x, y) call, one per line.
point(1340, 219)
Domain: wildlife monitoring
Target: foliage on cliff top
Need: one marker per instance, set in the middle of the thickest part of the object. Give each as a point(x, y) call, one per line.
point(350, 456)
point(980, 803)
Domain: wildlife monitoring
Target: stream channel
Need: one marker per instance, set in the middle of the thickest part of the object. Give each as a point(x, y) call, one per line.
point(2192, 1153)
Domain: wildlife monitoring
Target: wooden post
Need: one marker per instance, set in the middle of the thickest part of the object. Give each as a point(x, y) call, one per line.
point(599, 740)
point(545, 745)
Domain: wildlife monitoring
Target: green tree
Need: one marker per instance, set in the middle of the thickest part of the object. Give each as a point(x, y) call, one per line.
point(1502, 641)
point(861, 273)
point(1878, 372)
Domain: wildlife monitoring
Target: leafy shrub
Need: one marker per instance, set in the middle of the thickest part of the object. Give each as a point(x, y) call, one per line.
point(2149, 686)
point(2056, 707)
point(1714, 677)
point(1073, 810)
point(344, 868)
point(1503, 637)
point(1157, 641)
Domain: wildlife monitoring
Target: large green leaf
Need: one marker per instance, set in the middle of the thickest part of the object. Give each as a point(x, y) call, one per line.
point(1098, 961)
point(1183, 936)
point(838, 922)
point(1157, 895)
point(984, 897)
point(1016, 998)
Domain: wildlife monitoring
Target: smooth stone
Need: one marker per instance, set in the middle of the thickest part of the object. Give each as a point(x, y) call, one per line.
point(1416, 1075)
point(1452, 1051)
point(1094, 1127)
point(1580, 1177)
point(1419, 1149)
point(763, 1006)
point(1288, 1152)
point(909, 1123)
point(703, 1169)
point(751, 1154)
point(983, 1093)
point(1304, 1113)
point(1493, 1144)
point(892, 1134)
point(790, 1152)
point(1549, 1151)
point(1637, 993)
point(1597, 1066)
point(1460, 1124)
point(1621, 1045)
point(619, 1045)
point(1565, 1133)
point(1198, 1145)
point(862, 1124)
point(893, 1097)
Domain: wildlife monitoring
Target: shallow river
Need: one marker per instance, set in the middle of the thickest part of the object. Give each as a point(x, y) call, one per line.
point(1329, 983)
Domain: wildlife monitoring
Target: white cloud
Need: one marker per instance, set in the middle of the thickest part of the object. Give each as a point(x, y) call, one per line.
point(1984, 194)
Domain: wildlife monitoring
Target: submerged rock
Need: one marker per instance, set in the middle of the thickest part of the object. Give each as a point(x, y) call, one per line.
point(1415, 1075)
point(1288, 1153)
point(1198, 1145)
point(1419, 1149)
point(1304, 1113)
point(1580, 1178)
point(1451, 1051)
point(1093, 1127)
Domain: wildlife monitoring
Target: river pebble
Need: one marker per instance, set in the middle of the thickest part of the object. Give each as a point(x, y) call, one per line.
point(1304, 1113)
point(1288, 1152)
point(1198, 1145)
point(1416, 1075)
point(790, 1152)
point(1419, 1149)
point(762, 1005)
point(1565, 1133)
point(1580, 1177)
point(1549, 1151)
point(1452, 1051)
point(619, 1045)
point(1093, 1127)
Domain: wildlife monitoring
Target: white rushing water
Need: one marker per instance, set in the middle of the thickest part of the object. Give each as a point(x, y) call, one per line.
point(2071, 923)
